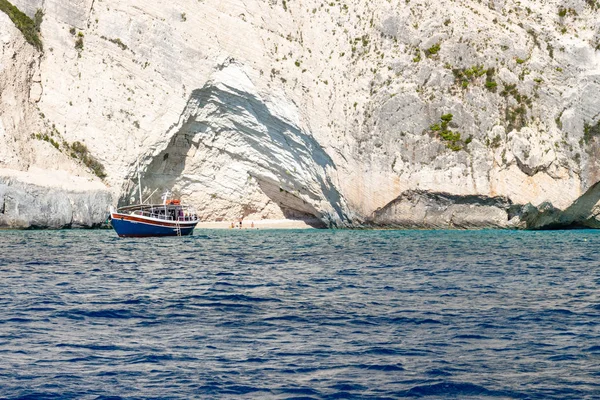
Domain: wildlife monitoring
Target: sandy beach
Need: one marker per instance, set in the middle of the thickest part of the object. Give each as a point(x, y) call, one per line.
point(258, 224)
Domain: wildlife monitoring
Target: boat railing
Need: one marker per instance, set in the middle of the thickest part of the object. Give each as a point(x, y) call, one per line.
point(180, 215)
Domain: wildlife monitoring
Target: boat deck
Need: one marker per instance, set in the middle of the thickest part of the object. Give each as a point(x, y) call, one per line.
point(169, 212)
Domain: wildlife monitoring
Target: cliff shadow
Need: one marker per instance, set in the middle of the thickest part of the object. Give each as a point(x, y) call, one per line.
point(243, 126)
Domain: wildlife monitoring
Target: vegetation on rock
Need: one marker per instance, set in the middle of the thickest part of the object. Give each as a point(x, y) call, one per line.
point(116, 41)
point(465, 76)
point(30, 28)
point(433, 50)
point(490, 83)
point(48, 139)
point(76, 150)
point(80, 151)
point(590, 131)
point(452, 139)
point(79, 42)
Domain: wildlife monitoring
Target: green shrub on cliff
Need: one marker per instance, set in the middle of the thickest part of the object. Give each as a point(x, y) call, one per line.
point(37, 20)
point(28, 27)
point(48, 139)
point(590, 131)
point(433, 50)
point(491, 85)
point(453, 139)
point(80, 151)
point(79, 42)
point(465, 76)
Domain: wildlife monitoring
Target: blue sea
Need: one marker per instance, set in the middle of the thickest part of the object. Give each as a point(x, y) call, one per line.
point(312, 314)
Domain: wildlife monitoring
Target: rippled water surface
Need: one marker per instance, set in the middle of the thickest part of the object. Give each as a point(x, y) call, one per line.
point(300, 314)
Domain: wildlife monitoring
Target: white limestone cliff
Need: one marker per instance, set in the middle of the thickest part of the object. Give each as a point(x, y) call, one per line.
point(306, 109)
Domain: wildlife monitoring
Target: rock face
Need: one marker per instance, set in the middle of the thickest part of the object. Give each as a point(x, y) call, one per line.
point(418, 209)
point(426, 210)
point(30, 206)
point(260, 162)
point(424, 114)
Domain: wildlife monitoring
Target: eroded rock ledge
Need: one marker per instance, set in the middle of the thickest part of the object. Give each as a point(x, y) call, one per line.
point(27, 206)
point(417, 209)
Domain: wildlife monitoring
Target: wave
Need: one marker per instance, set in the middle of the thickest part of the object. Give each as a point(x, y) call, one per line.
point(453, 389)
point(116, 313)
point(422, 316)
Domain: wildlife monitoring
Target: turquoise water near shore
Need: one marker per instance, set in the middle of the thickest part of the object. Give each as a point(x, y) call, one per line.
point(300, 314)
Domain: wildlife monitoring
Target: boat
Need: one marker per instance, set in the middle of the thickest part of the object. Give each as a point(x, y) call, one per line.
point(170, 218)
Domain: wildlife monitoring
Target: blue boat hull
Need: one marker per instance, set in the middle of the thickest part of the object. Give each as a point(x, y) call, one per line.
point(125, 228)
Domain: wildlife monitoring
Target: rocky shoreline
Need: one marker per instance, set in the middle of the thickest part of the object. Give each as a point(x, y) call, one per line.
point(29, 206)
point(426, 210)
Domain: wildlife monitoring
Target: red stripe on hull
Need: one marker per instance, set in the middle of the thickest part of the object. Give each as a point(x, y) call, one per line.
point(146, 236)
point(173, 224)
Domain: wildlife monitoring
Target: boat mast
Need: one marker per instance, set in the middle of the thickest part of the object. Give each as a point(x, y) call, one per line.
point(140, 182)
point(165, 197)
